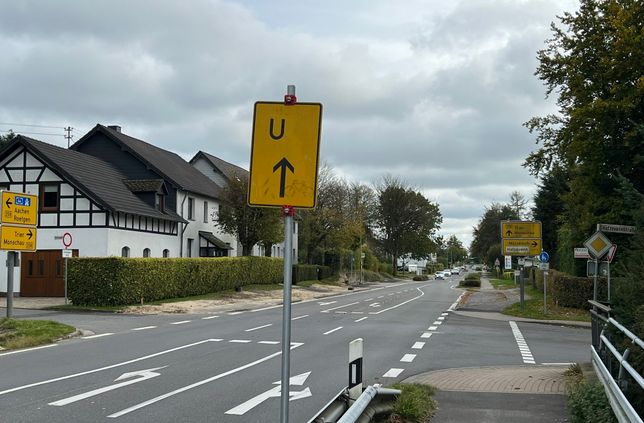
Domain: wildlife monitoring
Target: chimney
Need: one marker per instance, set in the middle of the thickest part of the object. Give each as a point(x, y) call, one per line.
point(116, 128)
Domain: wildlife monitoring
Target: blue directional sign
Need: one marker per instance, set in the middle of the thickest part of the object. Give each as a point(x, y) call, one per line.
point(544, 257)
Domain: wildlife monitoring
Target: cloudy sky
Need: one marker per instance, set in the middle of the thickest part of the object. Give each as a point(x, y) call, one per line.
point(433, 91)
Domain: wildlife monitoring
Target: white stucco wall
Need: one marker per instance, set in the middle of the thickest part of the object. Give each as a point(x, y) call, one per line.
point(138, 241)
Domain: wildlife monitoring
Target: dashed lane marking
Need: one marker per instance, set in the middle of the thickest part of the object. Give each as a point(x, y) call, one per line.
point(239, 341)
point(300, 317)
point(209, 317)
point(526, 354)
point(368, 299)
point(418, 346)
point(444, 314)
point(332, 330)
point(408, 358)
point(234, 313)
point(269, 342)
point(100, 335)
point(426, 335)
point(144, 328)
point(441, 318)
point(357, 312)
point(380, 296)
point(437, 322)
point(393, 372)
point(28, 349)
point(432, 328)
point(338, 307)
point(258, 328)
point(182, 322)
point(361, 319)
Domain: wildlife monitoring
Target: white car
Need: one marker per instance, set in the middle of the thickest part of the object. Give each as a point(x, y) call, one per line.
point(446, 274)
point(439, 275)
point(455, 271)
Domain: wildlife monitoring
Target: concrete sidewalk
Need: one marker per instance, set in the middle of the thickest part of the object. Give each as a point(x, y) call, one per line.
point(498, 394)
point(33, 303)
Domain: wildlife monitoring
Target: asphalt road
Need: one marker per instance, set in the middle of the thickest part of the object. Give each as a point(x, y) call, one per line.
point(223, 368)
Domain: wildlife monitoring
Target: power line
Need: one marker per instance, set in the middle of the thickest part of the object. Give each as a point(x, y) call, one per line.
point(33, 126)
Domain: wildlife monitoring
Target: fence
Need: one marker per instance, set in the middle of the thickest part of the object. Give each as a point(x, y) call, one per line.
point(612, 367)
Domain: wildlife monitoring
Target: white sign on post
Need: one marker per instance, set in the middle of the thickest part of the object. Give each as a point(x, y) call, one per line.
point(581, 253)
point(67, 253)
point(508, 262)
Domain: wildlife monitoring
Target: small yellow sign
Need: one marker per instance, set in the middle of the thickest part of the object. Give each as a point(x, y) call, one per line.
point(598, 244)
point(17, 238)
point(521, 247)
point(284, 154)
point(19, 208)
point(520, 229)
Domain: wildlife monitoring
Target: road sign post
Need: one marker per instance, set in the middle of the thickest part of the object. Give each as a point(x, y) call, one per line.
point(283, 173)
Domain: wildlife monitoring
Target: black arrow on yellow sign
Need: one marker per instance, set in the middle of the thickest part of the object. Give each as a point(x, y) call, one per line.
point(8, 203)
point(30, 234)
point(283, 164)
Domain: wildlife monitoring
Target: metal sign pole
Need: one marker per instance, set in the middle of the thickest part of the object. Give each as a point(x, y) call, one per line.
point(65, 280)
point(522, 288)
point(608, 277)
point(286, 313)
point(595, 279)
point(10, 264)
point(545, 292)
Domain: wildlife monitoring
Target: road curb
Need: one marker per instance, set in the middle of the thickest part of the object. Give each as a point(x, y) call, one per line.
point(492, 315)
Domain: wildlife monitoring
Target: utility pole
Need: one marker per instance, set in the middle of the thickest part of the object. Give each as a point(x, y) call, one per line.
point(68, 135)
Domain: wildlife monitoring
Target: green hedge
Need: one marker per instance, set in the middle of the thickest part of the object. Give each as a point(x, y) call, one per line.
point(310, 272)
point(573, 291)
point(114, 281)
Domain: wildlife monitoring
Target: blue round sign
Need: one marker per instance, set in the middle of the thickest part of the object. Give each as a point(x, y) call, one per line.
point(544, 257)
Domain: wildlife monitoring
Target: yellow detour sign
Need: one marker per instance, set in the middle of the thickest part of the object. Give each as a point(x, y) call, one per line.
point(520, 229)
point(284, 155)
point(521, 247)
point(19, 208)
point(17, 238)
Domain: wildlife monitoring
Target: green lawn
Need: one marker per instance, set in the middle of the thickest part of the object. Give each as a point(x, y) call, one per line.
point(503, 283)
point(534, 308)
point(16, 333)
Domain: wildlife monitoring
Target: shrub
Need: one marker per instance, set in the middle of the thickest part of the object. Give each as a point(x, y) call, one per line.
point(414, 404)
point(369, 276)
point(473, 276)
point(421, 278)
point(113, 281)
point(587, 403)
point(309, 272)
point(470, 283)
point(386, 268)
point(574, 291)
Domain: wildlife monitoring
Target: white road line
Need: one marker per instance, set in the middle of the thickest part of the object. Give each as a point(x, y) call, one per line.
point(234, 313)
point(182, 322)
point(357, 312)
point(209, 317)
point(381, 296)
point(144, 328)
point(239, 341)
point(299, 317)
point(444, 314)
point(258, 327)
point(335, 308)
point(458, 300)
point(265, 308)
point(100, 335)
point(437, 322)
point(269, 342)
point(332, 330)
point(393, 372)
point(441, 318)
point(408, 358)
point(425, 335)
point(341, 312)
point(401, 304)
point(124, 363)
point(361, 319)
point(27, 350)
point(194, 385)
point(432, 328)
point(368, 299)
point(526, 355)
point(418, 346)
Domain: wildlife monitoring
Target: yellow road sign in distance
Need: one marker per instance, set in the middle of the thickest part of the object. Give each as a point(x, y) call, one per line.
point(521, 247)
point(19, 208)
point(284, 154)
point(520, 229)
point(17, 238)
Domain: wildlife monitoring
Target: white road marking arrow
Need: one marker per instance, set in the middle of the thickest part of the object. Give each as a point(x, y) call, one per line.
point(143, 375)
point(275, 392)
point(374, 305)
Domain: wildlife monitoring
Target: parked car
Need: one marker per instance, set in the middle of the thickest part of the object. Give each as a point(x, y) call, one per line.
point(438, 275)
point(446, 273)
point(455, 271)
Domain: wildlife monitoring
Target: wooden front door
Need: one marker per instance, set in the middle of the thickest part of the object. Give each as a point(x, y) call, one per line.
point(41, 273)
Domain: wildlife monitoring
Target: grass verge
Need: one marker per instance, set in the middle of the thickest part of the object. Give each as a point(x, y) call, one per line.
point(30, 333)
point(503, 284)
point(534, 309)
point(414, 405)
point(587, 401)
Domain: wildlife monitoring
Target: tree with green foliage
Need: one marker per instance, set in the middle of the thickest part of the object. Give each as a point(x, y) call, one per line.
point(251, 225)
point(593, 63)
point(486, 241)
point(6, 139)
point(405, 220)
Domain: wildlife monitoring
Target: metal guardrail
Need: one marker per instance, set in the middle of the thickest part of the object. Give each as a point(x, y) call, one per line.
point(611, 366)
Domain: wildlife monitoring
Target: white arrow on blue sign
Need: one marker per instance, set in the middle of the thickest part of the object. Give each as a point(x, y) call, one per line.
point(544, 257)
